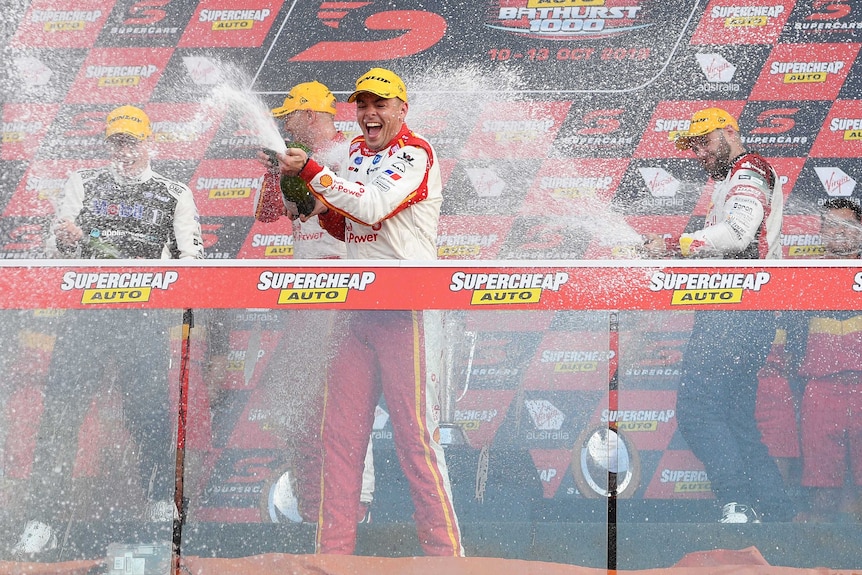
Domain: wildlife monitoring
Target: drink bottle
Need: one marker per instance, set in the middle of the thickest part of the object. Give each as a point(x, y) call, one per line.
point(295, 189)
point(270, 207)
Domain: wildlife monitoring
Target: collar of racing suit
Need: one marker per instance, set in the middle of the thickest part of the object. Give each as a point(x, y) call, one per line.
point(145, 175)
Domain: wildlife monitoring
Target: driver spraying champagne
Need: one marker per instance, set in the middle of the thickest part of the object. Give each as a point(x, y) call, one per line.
point(308, 118)
point(386, 206)
point(718, 386)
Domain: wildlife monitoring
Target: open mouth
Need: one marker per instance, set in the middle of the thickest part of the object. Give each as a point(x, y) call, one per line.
point(373, 129)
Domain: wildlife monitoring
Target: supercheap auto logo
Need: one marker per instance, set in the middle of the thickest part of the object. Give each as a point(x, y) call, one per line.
point(805, 72)
point(686, 480)
point(841, 136)
point(64, 20)
point(707, 288)
point(18, 131)
point(229, 23)
point(638, 419)
point(228, 188)
point(567, 19)
point(117, 287)
point(814, 71)
point(131, 75)
point(506, 288)
point(274, 245)
point(233, 19)
point(742, 16)
point(803, 245)
point(108, 73)
point(568, 361)
point(742, 22)
point(49, 24)
point(472, 419)
point(307, 287)
point(464, 245)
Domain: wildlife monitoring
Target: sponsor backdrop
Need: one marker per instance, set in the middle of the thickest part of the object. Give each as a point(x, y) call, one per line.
point(551, 119)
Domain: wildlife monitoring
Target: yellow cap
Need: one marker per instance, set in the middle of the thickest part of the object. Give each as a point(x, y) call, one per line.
point(381, 82)
point(128, 120)
point(702, 123)
point(307, 96)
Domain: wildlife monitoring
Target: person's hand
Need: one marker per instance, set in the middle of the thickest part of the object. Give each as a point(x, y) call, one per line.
point(265, 158)
point(654, 245)
point(290, 210)
point(691, 247)
point(67, 233)
point(292, 161)
point(319, 208)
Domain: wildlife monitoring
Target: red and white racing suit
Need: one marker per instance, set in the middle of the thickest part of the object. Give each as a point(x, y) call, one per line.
point(744, 216)
point(310, 240)
point(387, 207)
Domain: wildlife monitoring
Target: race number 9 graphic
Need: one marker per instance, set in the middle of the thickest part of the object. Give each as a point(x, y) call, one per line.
point(422, 30)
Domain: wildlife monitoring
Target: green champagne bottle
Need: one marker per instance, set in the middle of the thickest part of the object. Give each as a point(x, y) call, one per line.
point(294, 188)
point(98, 249)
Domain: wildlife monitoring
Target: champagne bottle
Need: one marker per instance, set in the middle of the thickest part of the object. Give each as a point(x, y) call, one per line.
point(295, 189)
point(99, 249)
point(270, 206)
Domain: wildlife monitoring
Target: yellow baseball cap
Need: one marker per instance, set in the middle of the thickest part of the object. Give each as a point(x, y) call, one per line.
point(128, 120)
point(382, 82)
point(307, 96)
point(702, 123)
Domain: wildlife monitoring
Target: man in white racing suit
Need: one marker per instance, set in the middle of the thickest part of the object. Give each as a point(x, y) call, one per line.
point(718, 387)
point(386, 207)
point(123, 210)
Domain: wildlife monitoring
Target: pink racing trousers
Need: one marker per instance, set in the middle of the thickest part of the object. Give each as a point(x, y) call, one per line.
point(397, 354)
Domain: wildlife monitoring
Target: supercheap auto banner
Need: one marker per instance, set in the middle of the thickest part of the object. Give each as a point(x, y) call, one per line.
point(551, 117)
point(542, 287)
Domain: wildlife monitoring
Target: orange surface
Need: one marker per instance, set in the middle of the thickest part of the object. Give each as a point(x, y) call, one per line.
point(747, 561)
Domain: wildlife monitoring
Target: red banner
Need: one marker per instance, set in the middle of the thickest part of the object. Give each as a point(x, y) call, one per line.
point(442, 285)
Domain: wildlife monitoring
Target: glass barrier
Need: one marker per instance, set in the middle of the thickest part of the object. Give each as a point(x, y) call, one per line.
point(200, 408)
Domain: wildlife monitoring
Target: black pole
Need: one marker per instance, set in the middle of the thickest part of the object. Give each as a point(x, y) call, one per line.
point(182, 414)
point(613, 381)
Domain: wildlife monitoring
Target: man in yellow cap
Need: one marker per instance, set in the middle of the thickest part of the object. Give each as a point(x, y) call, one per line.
point(744, 219)
point(136, 193)
point(718, 387)
point(308, 116)
point(122, 210)
point(385, 206)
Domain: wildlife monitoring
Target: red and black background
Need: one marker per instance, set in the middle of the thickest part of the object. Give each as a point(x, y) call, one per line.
point(552, 131)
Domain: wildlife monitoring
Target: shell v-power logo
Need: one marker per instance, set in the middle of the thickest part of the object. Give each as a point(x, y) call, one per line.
point(308, 288)
point(507, 288)
point(117, 287)
point(707, 288)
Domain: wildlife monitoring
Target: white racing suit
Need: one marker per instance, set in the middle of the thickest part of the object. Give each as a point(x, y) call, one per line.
point(148, 217)
point(718, 388)
point(387, 207)
point(744, 216)
point(127, 349)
